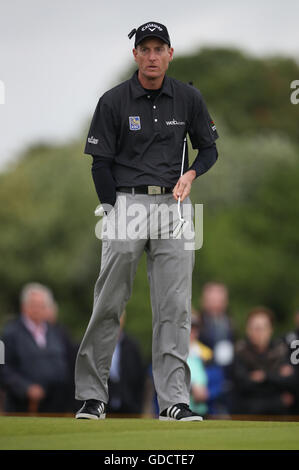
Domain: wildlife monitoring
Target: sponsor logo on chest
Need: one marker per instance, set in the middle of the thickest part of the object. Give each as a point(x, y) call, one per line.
point(134, 123)
point(174, 122)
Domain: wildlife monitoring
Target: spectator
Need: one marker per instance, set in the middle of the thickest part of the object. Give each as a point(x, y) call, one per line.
point(199, 380)
point(207, 378)
point(292, 341)
point(216, 329)
point(36, 372)
point(51, 317)
point(216, 332)
point(264, 378)
point(127, 376)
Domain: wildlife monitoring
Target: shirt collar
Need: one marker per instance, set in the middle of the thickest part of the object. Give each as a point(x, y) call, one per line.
point(31, 326)
point(138, 90)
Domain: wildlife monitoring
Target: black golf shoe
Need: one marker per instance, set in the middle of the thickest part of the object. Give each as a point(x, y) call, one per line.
point(179, 412)
point(92, 409)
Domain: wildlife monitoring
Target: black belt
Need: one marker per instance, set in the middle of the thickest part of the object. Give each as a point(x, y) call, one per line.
point(144, 190)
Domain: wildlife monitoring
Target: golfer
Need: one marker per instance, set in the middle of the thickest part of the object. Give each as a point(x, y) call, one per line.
point(137, 140)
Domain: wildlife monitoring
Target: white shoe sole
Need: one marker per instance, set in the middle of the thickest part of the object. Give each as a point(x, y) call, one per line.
point(89, 416)
point(191, 418)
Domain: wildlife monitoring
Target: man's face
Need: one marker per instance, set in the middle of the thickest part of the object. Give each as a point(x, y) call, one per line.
point(152, 56)
point(259, 330)
point(215, 299)
point(36, 306)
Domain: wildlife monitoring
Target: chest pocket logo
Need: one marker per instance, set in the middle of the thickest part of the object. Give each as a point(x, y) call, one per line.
point(134, 122)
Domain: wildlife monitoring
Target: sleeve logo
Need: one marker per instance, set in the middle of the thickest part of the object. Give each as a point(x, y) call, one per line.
point(213, 125)
point(134, 122)
point(92, 140)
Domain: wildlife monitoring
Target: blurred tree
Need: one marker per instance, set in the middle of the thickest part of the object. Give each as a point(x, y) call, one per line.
point(46, 215)
point(250, 95)
point(253, 248)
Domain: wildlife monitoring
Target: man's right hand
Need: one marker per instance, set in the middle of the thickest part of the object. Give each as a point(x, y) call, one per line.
point(258, 376)
point(199, 393)
point(286, 370)
point(35, 392)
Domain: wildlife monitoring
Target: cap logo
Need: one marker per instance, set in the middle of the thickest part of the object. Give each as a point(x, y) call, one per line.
point(151, 27)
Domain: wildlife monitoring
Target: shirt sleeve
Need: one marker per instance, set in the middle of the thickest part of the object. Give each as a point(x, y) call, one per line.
point(103, 180)
point(202, 129)
point(102, 135)
point(205, 159)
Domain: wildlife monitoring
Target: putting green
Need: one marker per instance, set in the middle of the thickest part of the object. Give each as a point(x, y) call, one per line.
point(146, 434)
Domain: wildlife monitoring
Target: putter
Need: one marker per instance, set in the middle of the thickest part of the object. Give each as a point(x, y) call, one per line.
point(182, 223)
point(99, 211)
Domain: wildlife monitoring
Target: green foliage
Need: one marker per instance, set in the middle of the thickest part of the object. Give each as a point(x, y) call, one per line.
point(250, 95)
point(253, 248)
point(243, 164)
point(250, 198)
point(47, 222)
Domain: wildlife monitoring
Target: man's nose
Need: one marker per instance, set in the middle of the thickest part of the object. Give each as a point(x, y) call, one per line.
point(152, 55)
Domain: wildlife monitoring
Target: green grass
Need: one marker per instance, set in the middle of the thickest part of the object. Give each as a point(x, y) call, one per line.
point(119, 434)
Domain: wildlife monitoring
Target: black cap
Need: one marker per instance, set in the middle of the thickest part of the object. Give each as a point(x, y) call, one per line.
point(150, 29)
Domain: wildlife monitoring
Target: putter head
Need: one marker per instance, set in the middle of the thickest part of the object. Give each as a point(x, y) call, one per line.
point(180, 228)
point(99, 211)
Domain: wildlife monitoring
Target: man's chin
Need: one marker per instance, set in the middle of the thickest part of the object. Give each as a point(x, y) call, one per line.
point(153, 74)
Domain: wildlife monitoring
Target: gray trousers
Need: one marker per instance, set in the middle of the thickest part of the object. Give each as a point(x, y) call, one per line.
point(169, 269)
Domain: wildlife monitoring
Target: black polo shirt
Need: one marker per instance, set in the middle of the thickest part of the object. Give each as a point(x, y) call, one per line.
point(143, 137)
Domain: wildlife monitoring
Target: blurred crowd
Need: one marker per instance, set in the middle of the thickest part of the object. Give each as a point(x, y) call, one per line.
point(254, 375)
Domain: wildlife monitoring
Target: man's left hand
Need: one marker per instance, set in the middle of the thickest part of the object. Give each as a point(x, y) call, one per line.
point(183, 187)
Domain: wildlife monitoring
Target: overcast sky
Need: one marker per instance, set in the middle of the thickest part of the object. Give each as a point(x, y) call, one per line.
point(58, 56)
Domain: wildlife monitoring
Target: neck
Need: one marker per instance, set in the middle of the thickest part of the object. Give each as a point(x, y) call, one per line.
point(28, 318)
point(260, 348)
point(150, 83)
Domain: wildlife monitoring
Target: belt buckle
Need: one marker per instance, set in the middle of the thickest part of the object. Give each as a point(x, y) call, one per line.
point(154, 190)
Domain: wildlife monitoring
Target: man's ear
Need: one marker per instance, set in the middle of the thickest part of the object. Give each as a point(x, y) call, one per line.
point(171, 50)
point(134, 53)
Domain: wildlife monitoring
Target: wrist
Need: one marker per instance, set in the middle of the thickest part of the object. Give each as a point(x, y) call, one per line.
point(191, 174)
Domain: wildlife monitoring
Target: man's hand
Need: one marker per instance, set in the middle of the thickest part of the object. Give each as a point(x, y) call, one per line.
point(200, 393)
point(183, 187)
point(258, 376)
point(35, 394)
point(286, 370)
point(287, 399)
